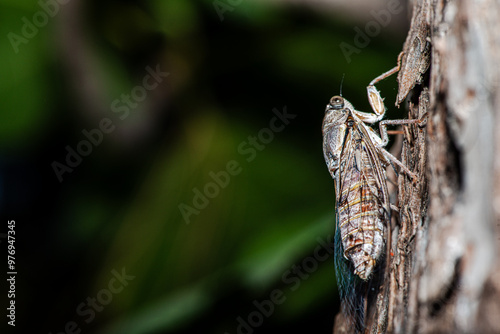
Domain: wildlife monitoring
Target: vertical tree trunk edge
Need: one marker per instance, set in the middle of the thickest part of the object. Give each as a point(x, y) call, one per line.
point(445, 261)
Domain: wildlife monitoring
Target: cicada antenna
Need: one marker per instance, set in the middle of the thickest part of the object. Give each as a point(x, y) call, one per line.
point(341, 83)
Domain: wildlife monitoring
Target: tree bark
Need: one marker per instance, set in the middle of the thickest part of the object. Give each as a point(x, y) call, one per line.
point(445, 264)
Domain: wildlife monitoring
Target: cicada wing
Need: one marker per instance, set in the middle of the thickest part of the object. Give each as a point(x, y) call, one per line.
point(378, 170)
point(361, 164)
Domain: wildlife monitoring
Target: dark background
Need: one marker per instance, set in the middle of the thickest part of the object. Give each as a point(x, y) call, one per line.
point(119, 207)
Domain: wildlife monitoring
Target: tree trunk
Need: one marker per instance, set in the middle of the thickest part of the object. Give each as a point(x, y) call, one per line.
point(445, 262)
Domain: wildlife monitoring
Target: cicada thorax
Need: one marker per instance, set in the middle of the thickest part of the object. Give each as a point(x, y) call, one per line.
point(360, 202)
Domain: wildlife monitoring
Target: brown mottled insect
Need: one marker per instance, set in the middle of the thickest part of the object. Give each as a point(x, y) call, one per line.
point(356, 160)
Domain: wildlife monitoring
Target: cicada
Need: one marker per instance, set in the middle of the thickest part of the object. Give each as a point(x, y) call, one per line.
point(357, 159)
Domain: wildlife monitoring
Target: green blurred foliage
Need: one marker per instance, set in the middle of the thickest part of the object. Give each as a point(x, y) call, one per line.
point(120, 207)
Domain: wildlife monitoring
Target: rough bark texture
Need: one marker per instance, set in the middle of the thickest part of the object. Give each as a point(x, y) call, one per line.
point(445, 266)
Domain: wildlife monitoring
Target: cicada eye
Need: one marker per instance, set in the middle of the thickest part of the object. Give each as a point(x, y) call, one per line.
point(337, 102)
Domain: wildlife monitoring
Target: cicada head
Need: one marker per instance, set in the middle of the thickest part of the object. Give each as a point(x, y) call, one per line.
point(334, 130)
point(336, 102)
point(338, 105)
point(336, 113)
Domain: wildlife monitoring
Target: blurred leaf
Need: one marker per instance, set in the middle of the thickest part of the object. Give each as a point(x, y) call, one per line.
point(177, 17)
point(26, 102)
point(164, 314)
point(266, 258)
point(319, 287)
